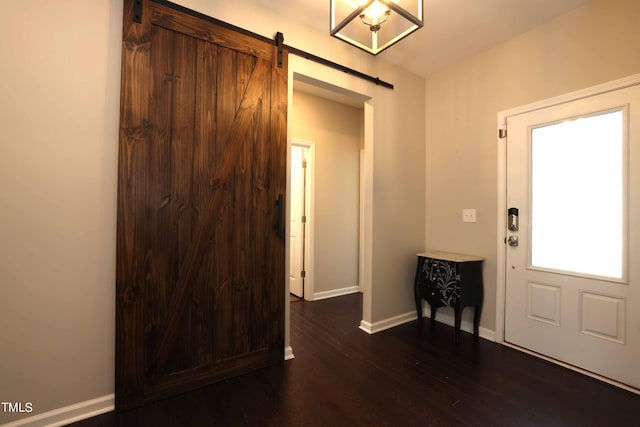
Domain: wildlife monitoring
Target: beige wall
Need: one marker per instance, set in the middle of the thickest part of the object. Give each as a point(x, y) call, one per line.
point(336, 131)
point(596, 43)
point(59, 86)
point(60, 74)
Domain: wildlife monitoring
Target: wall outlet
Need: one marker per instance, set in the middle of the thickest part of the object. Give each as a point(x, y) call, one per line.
point(468, 215)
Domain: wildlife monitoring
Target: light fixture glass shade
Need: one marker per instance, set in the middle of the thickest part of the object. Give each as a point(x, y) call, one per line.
point(374, 25)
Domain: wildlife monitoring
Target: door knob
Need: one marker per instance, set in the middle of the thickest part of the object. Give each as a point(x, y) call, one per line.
point(513, 241)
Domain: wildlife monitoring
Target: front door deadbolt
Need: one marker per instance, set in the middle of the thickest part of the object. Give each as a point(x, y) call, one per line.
point(512, 219)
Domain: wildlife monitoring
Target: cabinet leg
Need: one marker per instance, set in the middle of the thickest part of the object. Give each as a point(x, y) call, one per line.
point(418, 306)
point(458, 315)
point(433, 314)
point(476, 320)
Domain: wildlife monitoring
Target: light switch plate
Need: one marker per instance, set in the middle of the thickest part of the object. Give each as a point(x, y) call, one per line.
point(468, 215)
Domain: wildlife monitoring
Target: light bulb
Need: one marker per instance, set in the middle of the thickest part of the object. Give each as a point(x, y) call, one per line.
point(375, 15)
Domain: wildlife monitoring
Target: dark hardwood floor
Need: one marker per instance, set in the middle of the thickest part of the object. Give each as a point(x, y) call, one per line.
point(342, 376)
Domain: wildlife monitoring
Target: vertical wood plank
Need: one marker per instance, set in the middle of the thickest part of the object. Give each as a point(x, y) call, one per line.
point(227, 106)
point(130, 360)
point(204, 173)
point(278, 147)
point(242, 220)
point(263, 200)
point(182, 138)
point(158, 238)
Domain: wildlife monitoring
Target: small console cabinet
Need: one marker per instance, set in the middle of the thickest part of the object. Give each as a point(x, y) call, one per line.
point(449, 280)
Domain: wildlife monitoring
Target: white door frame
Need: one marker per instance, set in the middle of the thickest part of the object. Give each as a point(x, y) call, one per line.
point(309, 210)
point(361, 264)
point(502, 203)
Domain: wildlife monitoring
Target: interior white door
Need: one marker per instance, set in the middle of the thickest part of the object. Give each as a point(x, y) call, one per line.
point(572, 286)
point(296, 225)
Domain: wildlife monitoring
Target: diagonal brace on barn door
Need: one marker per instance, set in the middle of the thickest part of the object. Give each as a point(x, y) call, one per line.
point(192, 263)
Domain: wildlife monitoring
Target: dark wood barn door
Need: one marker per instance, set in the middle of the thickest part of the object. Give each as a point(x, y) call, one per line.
point(200, 266)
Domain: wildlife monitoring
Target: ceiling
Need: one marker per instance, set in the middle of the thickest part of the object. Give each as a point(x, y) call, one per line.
point(453, 29)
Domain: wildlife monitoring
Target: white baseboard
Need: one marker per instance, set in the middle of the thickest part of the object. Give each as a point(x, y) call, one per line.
point(335, 293)
point(288, 353)
point(375, 327)
point(446, 317)
point(68, 414)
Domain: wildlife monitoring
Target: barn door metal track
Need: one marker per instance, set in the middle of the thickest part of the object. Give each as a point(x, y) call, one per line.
point(277, 41)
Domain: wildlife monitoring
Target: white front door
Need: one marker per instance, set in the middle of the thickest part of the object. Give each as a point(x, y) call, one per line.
point(297, 223)
point(573, 264)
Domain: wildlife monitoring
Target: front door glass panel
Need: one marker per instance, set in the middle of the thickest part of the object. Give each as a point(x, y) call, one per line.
point(577, 196)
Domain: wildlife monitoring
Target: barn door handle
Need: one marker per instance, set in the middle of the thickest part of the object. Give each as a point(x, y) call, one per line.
point(280, 225)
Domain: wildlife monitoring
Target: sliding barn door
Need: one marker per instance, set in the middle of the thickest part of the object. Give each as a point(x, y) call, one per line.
point(200, 259)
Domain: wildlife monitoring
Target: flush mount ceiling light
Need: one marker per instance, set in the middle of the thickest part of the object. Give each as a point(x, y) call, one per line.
point(374, 25)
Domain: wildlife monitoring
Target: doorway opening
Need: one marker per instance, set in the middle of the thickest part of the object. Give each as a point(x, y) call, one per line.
point(348, 90)
point(324, 196)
